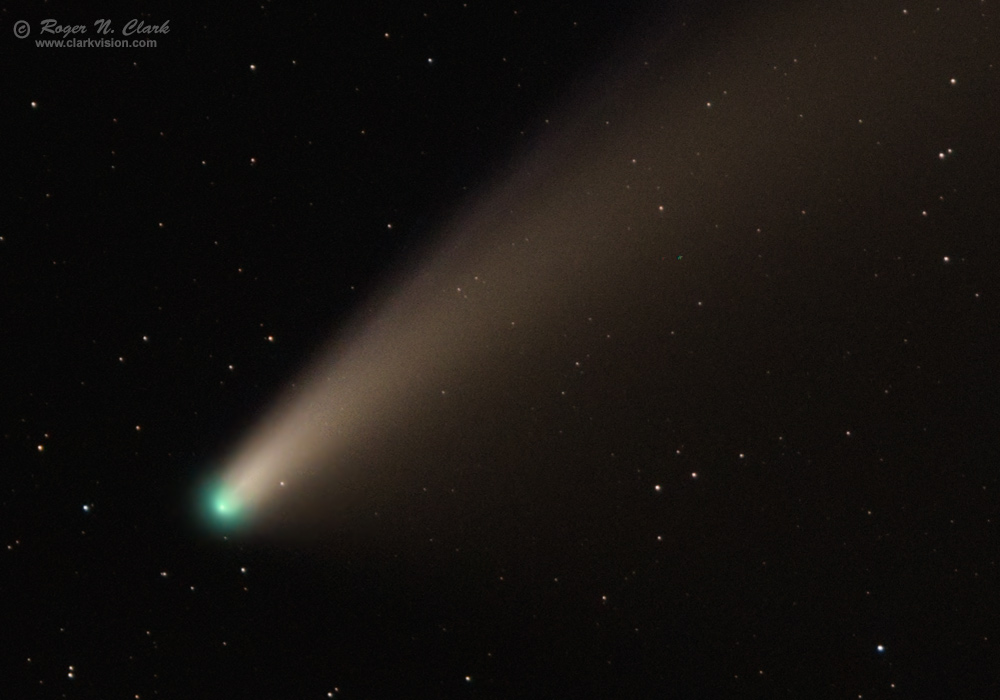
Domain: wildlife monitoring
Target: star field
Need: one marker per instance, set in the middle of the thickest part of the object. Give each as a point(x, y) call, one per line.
point(566, 349)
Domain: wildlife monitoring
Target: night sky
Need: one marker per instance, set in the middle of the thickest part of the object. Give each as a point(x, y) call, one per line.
point(647, 351)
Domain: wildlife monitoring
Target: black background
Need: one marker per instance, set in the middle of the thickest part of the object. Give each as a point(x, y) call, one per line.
point(267, 169)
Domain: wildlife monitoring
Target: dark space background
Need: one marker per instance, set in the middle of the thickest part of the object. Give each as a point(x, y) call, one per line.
point(779, 479)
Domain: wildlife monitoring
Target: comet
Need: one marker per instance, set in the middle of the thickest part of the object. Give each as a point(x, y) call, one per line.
point(637, 183)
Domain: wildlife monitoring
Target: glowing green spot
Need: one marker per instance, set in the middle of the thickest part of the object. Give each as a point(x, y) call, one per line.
point(226, 504)
point(221, 508)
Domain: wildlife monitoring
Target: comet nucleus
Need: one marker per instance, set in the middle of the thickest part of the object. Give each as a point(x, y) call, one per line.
point(221, 507)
